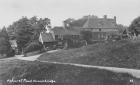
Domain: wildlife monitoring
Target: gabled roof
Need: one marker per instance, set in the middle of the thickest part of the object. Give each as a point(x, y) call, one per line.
point(99, 23)
point(46, 37)
point(92, 21)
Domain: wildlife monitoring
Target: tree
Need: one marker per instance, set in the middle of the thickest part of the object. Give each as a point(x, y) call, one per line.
point(5, 47)
point(4, 33)
point(39, 26)
point(27, 30)
point(70, 23)
point(67, 22)
point(134, 27)
point(23, 32)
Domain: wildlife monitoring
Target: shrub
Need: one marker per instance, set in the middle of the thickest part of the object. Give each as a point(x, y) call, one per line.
point(87, 35)
point(11, 53)
point(33, 46)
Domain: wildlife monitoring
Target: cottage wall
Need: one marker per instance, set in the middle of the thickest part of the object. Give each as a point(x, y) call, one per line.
point(96, 36)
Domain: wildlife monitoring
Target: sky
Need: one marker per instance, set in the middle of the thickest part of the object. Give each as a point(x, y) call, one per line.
point(59, 10)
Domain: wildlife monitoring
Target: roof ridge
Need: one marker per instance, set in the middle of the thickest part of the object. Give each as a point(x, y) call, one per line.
point(86, 23)
point(98, 23)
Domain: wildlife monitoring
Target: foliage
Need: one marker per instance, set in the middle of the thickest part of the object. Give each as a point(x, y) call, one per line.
point(4, 33)
point(134, 27)
point(79, 22)
point(121, 28)
point(69, 23)
point(26, 30)
point(87, 35)
point(33, 46)
point(5, 47)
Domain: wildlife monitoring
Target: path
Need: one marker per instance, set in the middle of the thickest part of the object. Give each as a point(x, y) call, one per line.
point(32, 58)
point(134, 72)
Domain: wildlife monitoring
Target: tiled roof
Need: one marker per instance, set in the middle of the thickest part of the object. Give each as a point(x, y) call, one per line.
point(63, 31)
point(72, 32)
point(94, 22)
point(58, 30)
point(46, 37)
point(99, 23)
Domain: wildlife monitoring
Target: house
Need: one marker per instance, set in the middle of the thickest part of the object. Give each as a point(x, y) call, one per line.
point(47, 36)
point(59, 37)
point(70, 37)
point(101, 28)
point(62, 33)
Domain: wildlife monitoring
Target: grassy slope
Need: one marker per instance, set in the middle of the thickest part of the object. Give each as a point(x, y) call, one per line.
point(62, 74)
point(118, 54)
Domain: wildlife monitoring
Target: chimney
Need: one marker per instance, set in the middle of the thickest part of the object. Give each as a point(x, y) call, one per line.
point(105, 16)
point(115, 19)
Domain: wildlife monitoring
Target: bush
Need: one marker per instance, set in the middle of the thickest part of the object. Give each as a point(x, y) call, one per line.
point(11, 53)
point(87, 35)
point(33, 46)
point(5, 48)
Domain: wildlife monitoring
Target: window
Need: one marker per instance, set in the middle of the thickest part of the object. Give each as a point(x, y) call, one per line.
point(60, 36)
point(99, 30)
point(98, 35)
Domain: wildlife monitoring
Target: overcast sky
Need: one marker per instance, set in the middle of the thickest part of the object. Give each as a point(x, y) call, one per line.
point(59, 10)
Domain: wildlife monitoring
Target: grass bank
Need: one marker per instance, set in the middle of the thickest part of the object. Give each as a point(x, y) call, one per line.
point(124, 54)
point(60, 74)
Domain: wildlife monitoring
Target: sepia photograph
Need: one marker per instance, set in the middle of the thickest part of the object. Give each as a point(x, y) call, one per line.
point(69, 42)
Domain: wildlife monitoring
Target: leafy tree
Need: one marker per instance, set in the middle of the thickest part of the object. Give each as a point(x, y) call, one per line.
point(4, 33)
point(122, 28)
point(10, 31)
point(23, 32)
point(69, 23)
point(39, 26)
point(134, 27)
point(5, 47)
point(27, 30)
